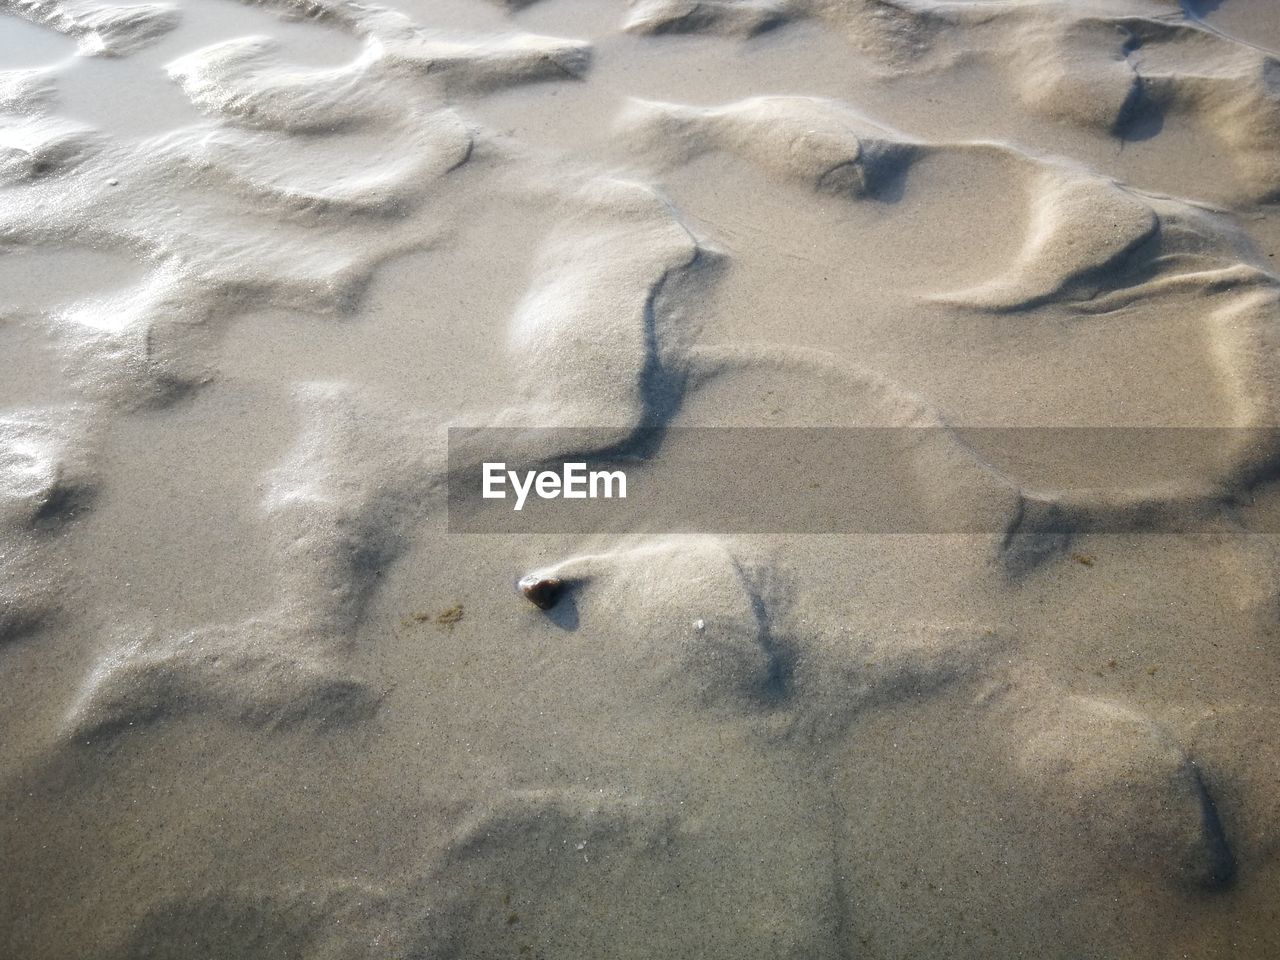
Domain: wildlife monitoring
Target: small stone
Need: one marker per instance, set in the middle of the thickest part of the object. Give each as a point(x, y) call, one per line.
point(542, 592)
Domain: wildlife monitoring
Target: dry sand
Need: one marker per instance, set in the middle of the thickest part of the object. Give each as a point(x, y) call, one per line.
point(257, 703)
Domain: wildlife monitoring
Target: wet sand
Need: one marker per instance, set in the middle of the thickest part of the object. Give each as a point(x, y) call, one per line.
point(259, 703)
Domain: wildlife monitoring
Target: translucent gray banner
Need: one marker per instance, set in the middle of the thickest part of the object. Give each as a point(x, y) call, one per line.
point(861, 480)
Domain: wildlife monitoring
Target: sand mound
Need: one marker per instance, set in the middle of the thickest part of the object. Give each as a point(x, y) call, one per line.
point(840, 672)
point(44, 474)
point(1227, 88)
point(338, 512)
point(346, 920)
point(32, 149)
point(45, 482)
point(100, 29)
point(487, 64)
point(526, 870)
point(1119, 68)
point(1130, 790)
point(701, 629)
point(252, 674)
point(1079, 71)
point(1230, 743)
point(820, 143)
point(393, 184)
point(1082, 231)
point(341, 506)
point(589, 338)
point(25, 91)
point(744, 18)
point(714, 628)
point(247, 82)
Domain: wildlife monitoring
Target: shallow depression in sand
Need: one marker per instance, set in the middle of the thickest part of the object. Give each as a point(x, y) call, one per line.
point(39, 279)
point(24, 45)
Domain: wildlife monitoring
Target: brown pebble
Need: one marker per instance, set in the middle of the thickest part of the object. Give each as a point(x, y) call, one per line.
point(542, 592)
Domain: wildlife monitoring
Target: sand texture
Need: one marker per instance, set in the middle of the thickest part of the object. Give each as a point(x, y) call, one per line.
point(259, 703)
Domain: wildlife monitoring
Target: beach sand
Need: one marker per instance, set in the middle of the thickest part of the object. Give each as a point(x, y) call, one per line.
point(259, 703)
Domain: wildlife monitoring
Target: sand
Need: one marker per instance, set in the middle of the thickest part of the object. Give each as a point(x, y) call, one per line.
point(260, 703)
